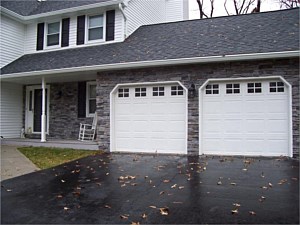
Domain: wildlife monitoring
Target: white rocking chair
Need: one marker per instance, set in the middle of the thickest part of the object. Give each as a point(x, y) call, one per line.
point(87, 131)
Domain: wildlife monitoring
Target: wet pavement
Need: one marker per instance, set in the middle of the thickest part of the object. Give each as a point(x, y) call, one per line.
point(123, 188)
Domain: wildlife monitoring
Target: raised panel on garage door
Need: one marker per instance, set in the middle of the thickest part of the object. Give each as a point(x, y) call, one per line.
point(150, 119)
point(245, 118)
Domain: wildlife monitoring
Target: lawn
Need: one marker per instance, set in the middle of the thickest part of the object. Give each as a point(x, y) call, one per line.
point(45, 158)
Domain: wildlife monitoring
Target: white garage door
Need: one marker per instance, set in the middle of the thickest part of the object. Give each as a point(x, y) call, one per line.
point(245, 118)
point(150, 118)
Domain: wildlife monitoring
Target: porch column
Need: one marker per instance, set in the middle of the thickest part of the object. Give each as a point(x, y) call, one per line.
point(43, 128)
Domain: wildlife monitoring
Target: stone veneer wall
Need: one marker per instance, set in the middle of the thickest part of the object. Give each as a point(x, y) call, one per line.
point(197, 74)
point(63, 120)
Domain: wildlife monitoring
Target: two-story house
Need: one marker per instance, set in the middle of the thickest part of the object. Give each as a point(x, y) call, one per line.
point(227, 85)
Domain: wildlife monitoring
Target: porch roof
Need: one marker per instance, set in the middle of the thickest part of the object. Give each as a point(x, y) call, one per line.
point(260, 33)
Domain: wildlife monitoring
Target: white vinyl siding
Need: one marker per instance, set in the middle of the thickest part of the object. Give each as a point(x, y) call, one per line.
point(30, 38)
point(11, 110)
point(12, 40)
point(175, 10)
point(144, 12)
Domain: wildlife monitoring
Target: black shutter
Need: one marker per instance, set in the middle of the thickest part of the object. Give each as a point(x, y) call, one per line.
point(81, 99)
point(110, 25)
point(65, 32)
point(40, 36)
point(80, 29)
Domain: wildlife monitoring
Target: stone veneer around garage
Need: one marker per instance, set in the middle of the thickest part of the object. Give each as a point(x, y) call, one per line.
point(197, 74)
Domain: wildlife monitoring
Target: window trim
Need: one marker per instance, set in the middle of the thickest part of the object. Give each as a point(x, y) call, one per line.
point(87, 18)
point(233, 88)
point(87, 98)
point(46, 34)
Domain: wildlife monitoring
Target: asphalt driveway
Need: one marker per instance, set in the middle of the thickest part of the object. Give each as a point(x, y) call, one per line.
point(121, 189)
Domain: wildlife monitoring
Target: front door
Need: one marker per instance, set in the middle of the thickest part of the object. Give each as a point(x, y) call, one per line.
point(34, 109)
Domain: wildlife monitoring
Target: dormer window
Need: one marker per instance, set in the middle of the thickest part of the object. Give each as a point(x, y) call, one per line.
point(95, 27)
point(53, 32)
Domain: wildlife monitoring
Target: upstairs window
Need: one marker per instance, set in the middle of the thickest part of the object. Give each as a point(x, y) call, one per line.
point(95, 27)
point(53, 33)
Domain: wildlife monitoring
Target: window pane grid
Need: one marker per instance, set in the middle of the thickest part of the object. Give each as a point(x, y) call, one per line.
point(158, 91)
point(276, 87)
point(176, 90)
point(91, 98)
point(140, 92)
point(212, 89)
point(254, 87)
point(53, 33)
point(123, 93)
point(232, 88)
point(95, 27)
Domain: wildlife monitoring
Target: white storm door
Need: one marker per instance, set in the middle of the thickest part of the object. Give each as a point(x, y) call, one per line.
point(34, 109)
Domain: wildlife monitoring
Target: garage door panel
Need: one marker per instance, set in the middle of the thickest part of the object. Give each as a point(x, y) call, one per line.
point(152, 123)
point(247, 123)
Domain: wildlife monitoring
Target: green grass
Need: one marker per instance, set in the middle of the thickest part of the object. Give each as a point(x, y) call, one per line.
point(45, 158)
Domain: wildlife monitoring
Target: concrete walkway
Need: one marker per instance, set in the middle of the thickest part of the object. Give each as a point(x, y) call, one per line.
point(14, 163)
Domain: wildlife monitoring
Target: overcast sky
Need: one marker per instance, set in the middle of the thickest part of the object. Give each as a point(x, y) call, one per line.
point(267, 5)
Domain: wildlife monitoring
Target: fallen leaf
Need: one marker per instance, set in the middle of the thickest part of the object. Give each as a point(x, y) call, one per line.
point(264, 187)
point(236, 204)
point(252, 213)
point(9, 190)
point(180, 187)
point(270, 185)
point(134, 184)
point(294, 178)
point(123, 185)
point(66, 208)
point(146, 177)
point(174, 186)
point(282, 181)
point(124, 217)
point(219, 182)
point(107, 174)
point(166, 181)
point(59, 196)
point(262, 174)
point(177, 202)
point(152, 206)
point(233, 184)
point(107, 206)
point(164, 211)
point(76, 193)
point(245, 169)
point(161, 193)
point(63, 181)
point(135, 223)
point(235, 211)
point(144, 216)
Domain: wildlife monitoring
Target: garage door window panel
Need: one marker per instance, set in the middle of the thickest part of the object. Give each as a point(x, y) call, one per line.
point(176, 90)
point(140, 92)
point(276, 87)
point(158, 91)
point(212, 89)
point(123, 93)
point(232, 88)
point(254, 88)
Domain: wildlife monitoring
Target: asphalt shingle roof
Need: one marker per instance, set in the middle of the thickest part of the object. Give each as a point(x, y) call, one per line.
point(254, 33)
point(33, 7)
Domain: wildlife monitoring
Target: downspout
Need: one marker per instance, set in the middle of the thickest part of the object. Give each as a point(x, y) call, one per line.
point(125, 19)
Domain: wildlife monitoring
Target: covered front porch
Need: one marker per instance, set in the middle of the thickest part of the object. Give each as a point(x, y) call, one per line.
point(50, 143)
point(50, 109)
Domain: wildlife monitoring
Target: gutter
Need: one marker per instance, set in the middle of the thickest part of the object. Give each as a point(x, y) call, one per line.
point(58, 12)
point(125, 19)
point(155, 63)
